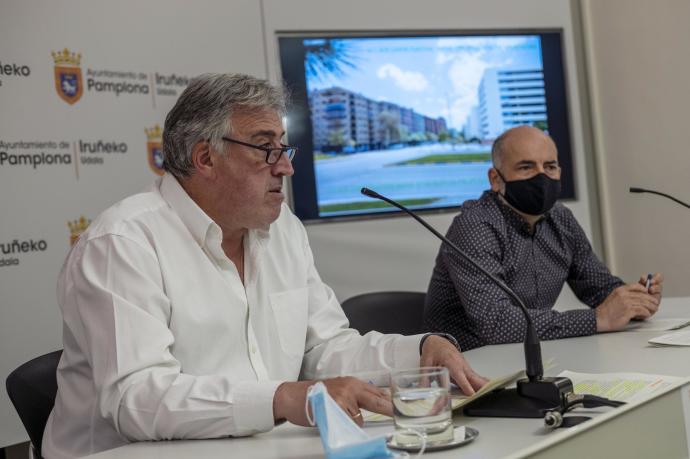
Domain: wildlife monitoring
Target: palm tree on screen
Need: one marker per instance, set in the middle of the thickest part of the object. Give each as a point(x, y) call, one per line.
point(329, 57)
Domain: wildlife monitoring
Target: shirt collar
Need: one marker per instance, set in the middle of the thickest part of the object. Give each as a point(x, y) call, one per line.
point(198, 223)
point(514, 218)
point(194, 218)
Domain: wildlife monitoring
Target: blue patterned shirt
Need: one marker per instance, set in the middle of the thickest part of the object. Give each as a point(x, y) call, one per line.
point(463, 302)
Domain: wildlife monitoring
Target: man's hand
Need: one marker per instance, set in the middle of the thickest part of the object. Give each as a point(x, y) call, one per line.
point(655, 287)
point(439, 352)
point(349, 393)
point(625, 303)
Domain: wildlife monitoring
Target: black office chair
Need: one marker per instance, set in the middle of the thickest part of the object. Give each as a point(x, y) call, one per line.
point(32, 388)
point(386, 312)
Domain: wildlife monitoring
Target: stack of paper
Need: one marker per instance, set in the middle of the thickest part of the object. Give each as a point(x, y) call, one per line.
point(459, 400)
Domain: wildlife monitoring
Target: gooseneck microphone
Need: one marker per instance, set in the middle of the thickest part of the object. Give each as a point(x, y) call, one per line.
point(634, 189)
point(533, 363)
point(534, 395)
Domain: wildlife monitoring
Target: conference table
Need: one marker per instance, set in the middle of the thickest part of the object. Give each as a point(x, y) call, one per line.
point(658, 427)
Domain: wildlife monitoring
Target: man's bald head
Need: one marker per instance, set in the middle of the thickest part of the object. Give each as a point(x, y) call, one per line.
point(519, 139)
point(520, 154)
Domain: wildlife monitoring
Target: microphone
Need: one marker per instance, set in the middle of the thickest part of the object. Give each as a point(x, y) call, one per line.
point(534, 395)
point(642, 190)
point(533, 363)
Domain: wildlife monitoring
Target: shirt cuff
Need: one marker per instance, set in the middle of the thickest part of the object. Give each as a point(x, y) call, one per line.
point(406, 352)
point(584, 322)
point(253, 406)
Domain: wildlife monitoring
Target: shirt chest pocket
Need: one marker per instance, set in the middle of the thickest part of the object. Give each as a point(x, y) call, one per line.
point(290, 311)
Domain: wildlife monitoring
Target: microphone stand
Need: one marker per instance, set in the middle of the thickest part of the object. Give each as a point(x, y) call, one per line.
point(533, 396)
point(668, 196)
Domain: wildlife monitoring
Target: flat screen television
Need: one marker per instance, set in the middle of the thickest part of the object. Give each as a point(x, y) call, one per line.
point(413, 116)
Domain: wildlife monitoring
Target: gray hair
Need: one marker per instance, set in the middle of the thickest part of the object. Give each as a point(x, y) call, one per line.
point(203, 112)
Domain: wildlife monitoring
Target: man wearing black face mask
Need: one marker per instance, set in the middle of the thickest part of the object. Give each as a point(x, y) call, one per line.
point(519, 232)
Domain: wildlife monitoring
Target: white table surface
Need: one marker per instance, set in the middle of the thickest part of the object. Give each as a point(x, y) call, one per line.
point(610, 352)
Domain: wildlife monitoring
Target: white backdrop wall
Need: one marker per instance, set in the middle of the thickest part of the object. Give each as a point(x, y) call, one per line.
point(639, 72)
point(156, 37)
point(175, 39)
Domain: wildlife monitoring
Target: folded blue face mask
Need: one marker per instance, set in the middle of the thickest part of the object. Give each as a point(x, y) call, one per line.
point(340, 436)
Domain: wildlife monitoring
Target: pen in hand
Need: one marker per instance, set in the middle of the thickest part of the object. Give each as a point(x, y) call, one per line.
point(649, 282)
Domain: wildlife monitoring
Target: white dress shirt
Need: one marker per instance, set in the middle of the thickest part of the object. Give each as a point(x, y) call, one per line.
point(162, 339)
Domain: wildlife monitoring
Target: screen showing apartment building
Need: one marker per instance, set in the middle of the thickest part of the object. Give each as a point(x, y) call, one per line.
point(414, 117)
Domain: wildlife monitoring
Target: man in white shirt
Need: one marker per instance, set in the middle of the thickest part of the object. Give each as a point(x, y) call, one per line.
point(194, 310)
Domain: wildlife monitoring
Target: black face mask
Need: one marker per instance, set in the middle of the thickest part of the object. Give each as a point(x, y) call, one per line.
point(532, 196)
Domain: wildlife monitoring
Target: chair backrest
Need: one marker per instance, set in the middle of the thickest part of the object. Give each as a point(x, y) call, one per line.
point(32, 388)
point(386, 312)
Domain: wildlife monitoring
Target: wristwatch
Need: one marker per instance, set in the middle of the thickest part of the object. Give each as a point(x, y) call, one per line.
point(447, 336)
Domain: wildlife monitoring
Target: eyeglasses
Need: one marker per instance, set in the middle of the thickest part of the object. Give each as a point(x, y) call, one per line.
point(272, 153)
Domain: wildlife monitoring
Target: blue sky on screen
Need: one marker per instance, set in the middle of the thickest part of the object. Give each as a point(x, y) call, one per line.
point(436, 76)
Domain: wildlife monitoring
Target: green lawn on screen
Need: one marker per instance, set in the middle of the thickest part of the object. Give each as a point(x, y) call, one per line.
point(367, 205)
point(448, 158)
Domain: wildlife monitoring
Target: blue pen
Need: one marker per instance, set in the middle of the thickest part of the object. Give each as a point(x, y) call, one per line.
point(649, 281)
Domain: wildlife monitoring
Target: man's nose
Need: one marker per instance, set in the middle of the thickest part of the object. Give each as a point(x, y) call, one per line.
point(283, 166)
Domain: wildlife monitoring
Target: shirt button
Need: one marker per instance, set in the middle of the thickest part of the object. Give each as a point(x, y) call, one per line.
point(252, 349)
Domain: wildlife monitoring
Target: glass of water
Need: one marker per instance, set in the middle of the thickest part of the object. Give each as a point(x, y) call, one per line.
point(421, 406)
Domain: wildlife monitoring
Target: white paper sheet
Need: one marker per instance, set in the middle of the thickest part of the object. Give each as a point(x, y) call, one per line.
point(624, 387)
point(658, 324)
point(677, 338)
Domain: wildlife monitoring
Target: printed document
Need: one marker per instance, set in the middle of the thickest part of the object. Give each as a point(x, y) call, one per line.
point(623, 387)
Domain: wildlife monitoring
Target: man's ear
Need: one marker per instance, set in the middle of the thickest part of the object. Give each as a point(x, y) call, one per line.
point(203, 160)
point(495, 180)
